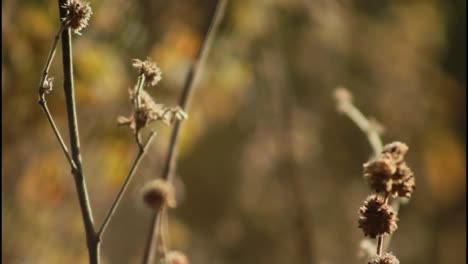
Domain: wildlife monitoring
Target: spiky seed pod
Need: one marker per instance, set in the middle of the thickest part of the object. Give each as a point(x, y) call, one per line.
point(376, 217)
point(387, 258)
point(157, 193)
point(379, 172)
point(403, 182)
point(149, 69)
point(402, 172)
point(78, 15)
point(404, 188)
point(397, 149)
point(176, 257)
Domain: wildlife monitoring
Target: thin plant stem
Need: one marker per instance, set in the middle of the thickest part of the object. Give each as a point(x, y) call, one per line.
point(118, 198)
point(139, 87)
point(171, 157)
point(380, 239)
point(162, 223)
point(42, 100)
point(366, 126)
point(50, 57)
point(80, 182)
point(43, 104)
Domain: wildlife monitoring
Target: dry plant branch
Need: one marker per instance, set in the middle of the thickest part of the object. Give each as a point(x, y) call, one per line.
point(171, 156)
point(344, 100)
point(80, 182)
point(70, 20)
point(369, 127)
point(387, 172)
point(141, 153)
point(45, 86)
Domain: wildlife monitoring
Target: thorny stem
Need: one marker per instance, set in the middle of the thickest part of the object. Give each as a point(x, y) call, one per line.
point(170, 162)
point(118, 198)
point(80, 183)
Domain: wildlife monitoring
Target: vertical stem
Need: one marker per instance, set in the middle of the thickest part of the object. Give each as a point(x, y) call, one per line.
point(379, 245)
point(171, 156)
point(80, 183)
point(380, 239)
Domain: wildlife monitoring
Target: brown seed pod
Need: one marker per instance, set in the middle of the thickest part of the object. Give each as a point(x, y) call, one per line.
point(376, 217)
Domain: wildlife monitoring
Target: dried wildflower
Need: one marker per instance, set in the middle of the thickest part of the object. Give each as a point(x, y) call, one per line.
point(376, 217)
point(379, 172)
point(176, 257)
point(47, 85)
point(157, 193)
point(150, 111)
point(78, 15)
point(402, 172)
point(388, 258)
point(397, 149)
point(388, 172)
point(404, 188)
point(149, 69)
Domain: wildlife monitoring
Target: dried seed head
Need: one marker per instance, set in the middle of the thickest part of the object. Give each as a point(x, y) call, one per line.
point(379, 172)
point(404, 188)
point(158, 193)
point(176, 257)
point(388, 172)
point(387, 258)
point(397, 149)
point(149, 69)
point(78, 15)
point(376, 217)
point(402, 172)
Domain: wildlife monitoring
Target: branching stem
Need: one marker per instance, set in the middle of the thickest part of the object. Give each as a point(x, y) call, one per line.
point(118, 198)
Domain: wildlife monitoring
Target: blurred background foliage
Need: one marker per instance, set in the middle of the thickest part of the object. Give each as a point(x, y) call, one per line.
point(265, 97)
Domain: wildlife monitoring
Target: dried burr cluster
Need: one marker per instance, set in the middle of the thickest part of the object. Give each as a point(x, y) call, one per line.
point(389, 174)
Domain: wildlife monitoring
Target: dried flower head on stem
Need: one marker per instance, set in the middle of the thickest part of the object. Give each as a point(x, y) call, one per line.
point(389, 173)
point(78, 15)
point(149, 69)
point(387, 258)
point(376, 217)
point(158, 193)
